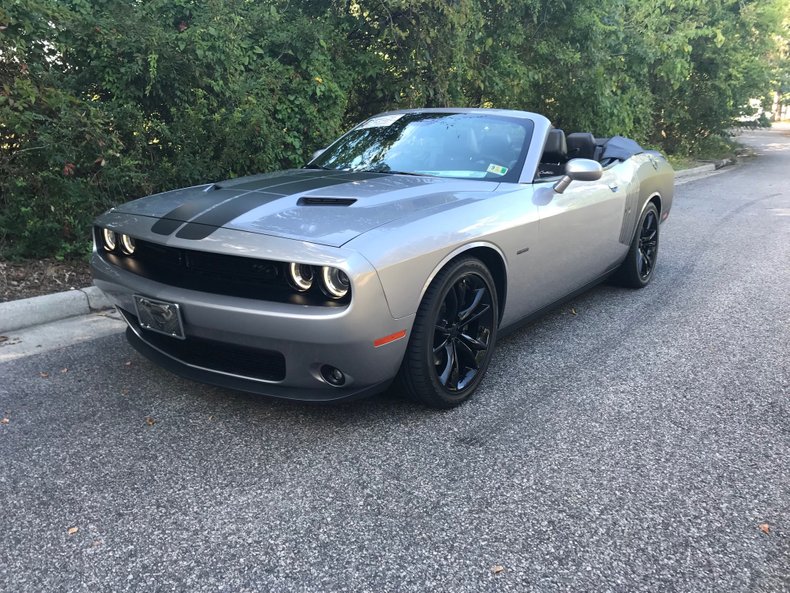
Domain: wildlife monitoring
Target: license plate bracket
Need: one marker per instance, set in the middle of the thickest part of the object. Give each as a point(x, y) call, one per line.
point(158, 316)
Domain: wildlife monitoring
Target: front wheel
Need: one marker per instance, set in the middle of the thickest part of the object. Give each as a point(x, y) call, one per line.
point(453, 336)
point(640, 264)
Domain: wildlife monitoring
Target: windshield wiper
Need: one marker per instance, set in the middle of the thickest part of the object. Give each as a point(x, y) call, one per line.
point(311, 166)
point(392, 172)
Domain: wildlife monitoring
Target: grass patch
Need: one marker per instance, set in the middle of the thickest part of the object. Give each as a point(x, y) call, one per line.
point(713, 148)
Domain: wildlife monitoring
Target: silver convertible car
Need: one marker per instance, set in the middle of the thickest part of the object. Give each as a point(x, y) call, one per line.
point(398, 253)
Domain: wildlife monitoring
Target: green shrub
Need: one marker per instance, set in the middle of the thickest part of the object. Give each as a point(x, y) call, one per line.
point(102, 101)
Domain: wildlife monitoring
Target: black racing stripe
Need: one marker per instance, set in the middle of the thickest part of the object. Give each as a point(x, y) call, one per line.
point(166, 226)
point(193, 206)
point(196, 231)
point(284, 182)
point(224, 213)
point(205, 224)
point(303, 185)
point(293, 185)
point(270, 182)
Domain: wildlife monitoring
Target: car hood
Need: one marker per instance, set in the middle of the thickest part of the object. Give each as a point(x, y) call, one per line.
point(326, 207)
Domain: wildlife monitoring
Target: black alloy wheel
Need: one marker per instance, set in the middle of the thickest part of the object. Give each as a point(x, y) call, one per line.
point(648, 245)
point(639, 266)
point(453, 335)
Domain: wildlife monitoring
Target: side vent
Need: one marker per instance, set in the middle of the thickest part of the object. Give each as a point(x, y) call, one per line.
point(318, 201)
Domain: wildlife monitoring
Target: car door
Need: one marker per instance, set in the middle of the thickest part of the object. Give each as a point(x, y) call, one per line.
point(579, 233)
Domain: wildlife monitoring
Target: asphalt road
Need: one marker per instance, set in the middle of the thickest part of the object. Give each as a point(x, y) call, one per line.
point(631, 441)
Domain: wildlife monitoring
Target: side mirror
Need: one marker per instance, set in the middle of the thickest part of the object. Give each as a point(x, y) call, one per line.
point(579, 170)
point(317, 154)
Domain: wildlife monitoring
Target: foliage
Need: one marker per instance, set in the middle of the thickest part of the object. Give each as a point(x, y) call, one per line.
point(102, 101)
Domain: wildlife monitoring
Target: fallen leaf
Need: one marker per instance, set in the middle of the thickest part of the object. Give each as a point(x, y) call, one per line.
point(497, 568)
point(43, 374)
point(765, 528)
point(149, 421)
point(573, 311)
point(73, 530)
point(124, 391)
point(128, 363)
point(4, 420)
point(3, 338)
point(64, 370)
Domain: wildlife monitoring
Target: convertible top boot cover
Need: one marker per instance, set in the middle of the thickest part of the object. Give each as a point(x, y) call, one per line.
point(620, 148)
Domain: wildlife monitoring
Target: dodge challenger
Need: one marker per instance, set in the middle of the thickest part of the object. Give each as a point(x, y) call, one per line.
point(398, 253)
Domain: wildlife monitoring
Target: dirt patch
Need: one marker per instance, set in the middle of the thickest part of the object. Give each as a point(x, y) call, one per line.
point(34, 277)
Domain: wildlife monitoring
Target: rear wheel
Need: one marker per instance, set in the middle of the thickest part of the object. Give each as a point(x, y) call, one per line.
point(640, 263)
point(453, 336)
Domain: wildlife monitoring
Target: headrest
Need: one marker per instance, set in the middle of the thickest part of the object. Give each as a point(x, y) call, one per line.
point(581, 145)
point(555, 150)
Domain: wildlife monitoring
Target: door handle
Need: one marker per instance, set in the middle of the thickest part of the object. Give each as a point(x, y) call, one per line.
point(613, 187)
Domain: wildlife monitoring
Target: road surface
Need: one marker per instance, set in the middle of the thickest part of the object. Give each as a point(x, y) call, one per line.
point(629, 441)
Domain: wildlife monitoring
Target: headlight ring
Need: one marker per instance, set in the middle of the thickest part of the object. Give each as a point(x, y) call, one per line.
point(334, 282)
point(127, 244)
point(300, 276)
point(109, 239)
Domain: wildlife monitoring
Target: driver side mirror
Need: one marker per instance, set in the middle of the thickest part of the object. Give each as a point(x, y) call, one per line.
point(579, 170)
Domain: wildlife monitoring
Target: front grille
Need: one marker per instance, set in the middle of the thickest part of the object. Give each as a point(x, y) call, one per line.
point(216, 273)
point(244, 361)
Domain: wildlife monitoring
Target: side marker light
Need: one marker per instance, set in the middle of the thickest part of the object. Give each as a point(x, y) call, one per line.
point(390, 338)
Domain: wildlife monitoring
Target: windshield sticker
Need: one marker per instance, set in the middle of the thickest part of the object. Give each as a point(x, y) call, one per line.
point(380, 122)
point(497, 169)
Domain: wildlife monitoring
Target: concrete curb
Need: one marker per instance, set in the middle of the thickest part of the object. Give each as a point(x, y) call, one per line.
point(15, 315)
point(694, 171)
point(711, 166)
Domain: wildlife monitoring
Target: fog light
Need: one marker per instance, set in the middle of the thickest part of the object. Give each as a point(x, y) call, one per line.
point(332, 375)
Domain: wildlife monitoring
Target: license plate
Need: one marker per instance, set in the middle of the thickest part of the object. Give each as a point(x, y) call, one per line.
point(159, 316)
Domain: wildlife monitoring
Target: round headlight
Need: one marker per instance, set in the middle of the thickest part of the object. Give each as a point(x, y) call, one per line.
point(334, 282)
point(127, 244)
point(300, 276)
point(109, 238)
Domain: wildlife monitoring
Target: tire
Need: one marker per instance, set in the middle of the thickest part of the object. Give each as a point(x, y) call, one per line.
point(453, 336)
point(639, 266)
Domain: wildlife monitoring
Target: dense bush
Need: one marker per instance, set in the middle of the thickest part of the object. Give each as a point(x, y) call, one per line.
point(106, 100)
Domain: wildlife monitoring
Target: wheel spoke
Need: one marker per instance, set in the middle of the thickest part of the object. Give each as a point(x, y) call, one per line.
point(473, 343)
point(456, 364)
point(648, 262)
point(448, 367)
point(479, 294)
point(451, 304)
point(438, 348)
point(467, 353)
point(483, 310)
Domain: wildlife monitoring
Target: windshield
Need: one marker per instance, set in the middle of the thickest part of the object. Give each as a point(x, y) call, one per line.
point(460, 145)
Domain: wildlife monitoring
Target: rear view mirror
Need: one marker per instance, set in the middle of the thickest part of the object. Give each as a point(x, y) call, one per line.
point(317, 154)
point(579, 170)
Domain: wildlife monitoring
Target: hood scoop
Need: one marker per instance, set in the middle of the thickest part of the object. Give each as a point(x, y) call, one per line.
point(320, 201)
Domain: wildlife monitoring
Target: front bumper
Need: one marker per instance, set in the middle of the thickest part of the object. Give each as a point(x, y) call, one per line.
point(307, 337)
